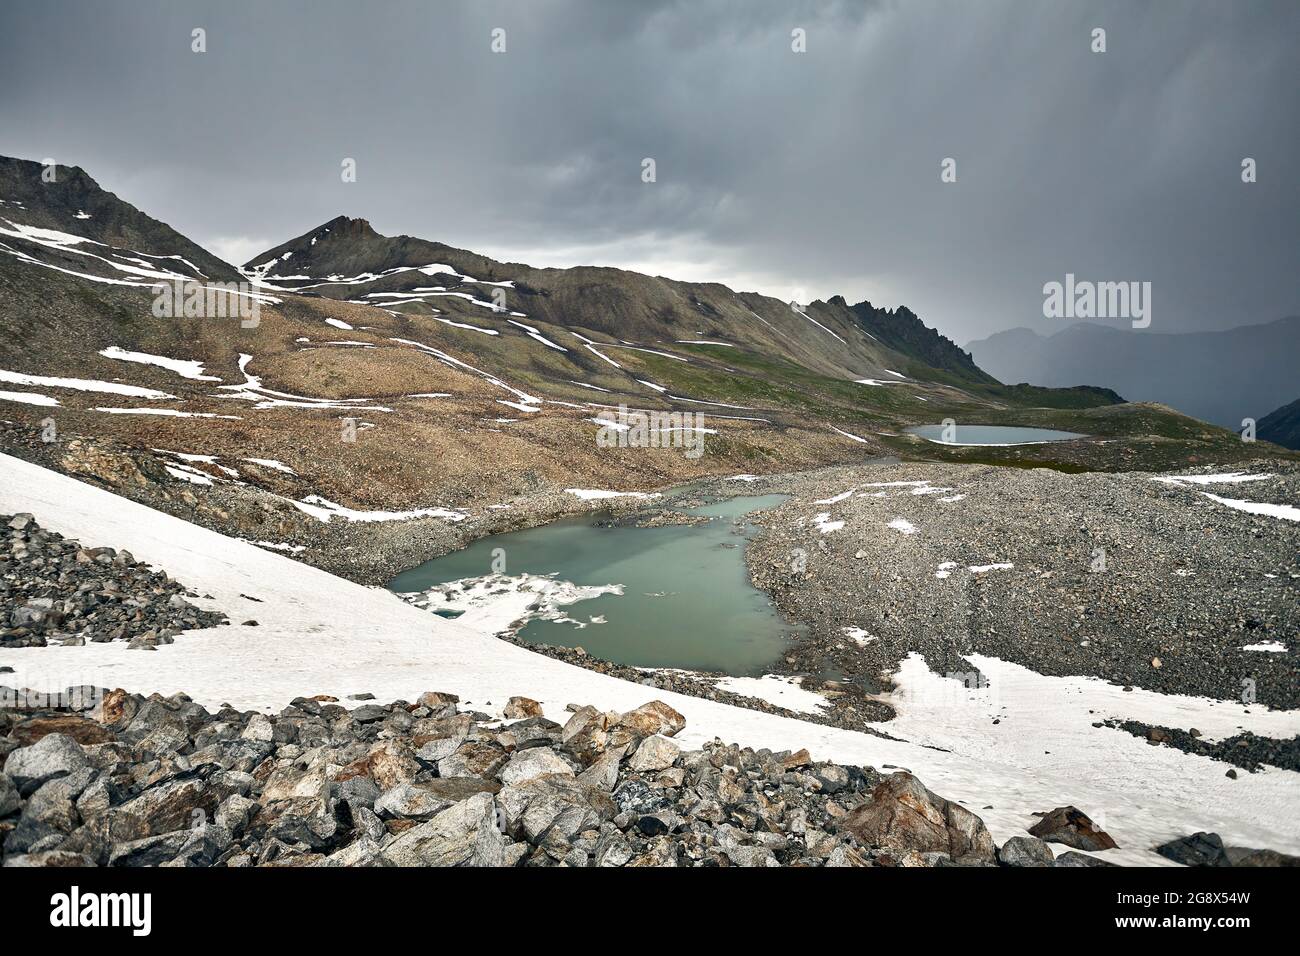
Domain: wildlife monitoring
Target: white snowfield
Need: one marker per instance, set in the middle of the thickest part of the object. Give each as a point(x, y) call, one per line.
point(319, 634)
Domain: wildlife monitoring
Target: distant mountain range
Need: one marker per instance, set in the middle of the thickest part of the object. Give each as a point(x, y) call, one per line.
point(1221, 377)
point(1281, 427)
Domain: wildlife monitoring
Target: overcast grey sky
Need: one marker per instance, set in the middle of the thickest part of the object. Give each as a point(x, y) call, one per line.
point(798, 174)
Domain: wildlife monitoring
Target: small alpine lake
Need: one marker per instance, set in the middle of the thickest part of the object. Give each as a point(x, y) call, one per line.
point(680, 597)
point(992, 435)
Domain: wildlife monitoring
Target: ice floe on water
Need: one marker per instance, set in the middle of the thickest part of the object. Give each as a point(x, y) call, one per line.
point(498, 603)
point(185, 368)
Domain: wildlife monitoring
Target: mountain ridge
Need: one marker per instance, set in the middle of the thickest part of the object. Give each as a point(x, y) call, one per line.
point(827, 335)
point(1281, 426)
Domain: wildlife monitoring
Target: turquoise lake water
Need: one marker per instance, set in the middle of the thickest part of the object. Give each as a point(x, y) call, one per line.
point(687, 600)
point(992, 434)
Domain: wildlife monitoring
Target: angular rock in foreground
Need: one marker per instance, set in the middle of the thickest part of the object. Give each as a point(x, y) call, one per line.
point(905, 817)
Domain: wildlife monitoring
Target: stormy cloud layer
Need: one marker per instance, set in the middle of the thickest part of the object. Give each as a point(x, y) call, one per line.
point(798, 174)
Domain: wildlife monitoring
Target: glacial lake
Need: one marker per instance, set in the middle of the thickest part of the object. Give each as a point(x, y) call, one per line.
point(687, 601)
point(992, 434)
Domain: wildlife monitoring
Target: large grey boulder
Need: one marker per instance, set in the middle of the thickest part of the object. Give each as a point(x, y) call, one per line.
point(473, 758)
point(586, 734)
point(54, 755)
point(524, 765)
point(259, 729)
point(1199, 849)
point(362, 852)
point(904, 816)
point(654, 753)
point(465, 834)
point(554, 805)
point(654, 717)
point(199, 846)
point(410, 801)
point(603, 774)
point(1025, 851)
point(175, 804)
point(235, 813)
point(519, 708)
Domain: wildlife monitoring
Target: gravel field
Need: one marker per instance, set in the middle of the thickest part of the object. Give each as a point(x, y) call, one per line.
point(1137, 581)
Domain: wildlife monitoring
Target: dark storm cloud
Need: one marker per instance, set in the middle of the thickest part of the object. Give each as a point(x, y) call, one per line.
point(797, 174)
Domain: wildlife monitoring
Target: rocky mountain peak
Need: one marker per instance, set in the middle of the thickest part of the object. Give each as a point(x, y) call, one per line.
point(347, 227)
